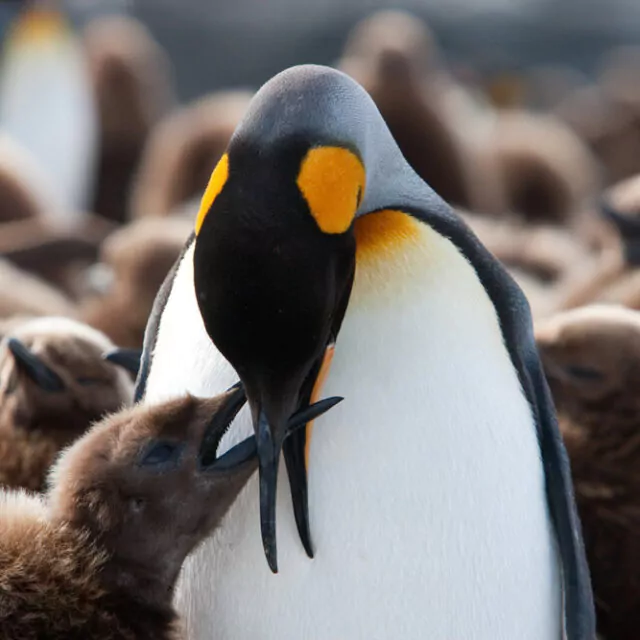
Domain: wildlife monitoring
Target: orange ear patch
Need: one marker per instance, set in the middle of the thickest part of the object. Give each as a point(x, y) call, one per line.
point(332, 181)
point(37, 24)
point(216, 183)
point(383, 232)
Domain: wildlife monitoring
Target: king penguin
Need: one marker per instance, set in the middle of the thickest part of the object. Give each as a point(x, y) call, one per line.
point(47, 105)
point(435, 501)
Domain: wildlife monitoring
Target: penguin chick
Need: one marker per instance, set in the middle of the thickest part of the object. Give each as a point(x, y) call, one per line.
point(543, 259)
point(133, 86)
point(548, 172)
point(591, 358)
point(608, 128)
point(23, 191)
point(135, 261)
point(618, 75)
point(53, 384)
point(99, 556)
point(548, 86)
point(22, 293)
point(393, 55)
point(548, 253)
point(56, 256)
point(177, 159)
point(612, 277)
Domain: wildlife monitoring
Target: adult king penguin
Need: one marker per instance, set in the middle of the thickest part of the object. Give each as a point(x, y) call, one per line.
point(439, 495)
point(47, 105)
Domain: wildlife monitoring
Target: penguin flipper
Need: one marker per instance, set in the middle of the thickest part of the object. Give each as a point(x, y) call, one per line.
point(578, 597)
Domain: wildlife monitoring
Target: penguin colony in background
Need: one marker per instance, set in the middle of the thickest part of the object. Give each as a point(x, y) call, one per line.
point(322, 262)
point(533, 194)
point(54, 383)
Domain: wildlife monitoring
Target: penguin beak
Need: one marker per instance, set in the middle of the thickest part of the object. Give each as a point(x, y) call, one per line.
point(272, 431)
point(269, 449)
point(265, 447)
point(629, 230)
point(45, 377)
point(128, 359)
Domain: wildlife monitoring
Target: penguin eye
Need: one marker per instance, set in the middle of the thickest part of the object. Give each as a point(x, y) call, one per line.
point(584, 374)
point(160, 454)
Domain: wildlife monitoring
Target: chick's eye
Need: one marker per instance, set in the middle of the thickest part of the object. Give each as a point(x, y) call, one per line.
point(87, 381)
point(584, 373)
point(160, 453)
point(136, 504)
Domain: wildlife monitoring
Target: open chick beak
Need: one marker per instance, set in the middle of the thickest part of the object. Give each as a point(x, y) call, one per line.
point(264, 447)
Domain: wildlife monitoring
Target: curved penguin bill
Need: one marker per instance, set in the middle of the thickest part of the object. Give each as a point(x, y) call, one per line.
point(34, 367)
point(274, 260)
point(628, 227)
point(246, 450)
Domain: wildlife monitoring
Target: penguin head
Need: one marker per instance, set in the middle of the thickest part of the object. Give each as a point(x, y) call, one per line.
point(275, 248)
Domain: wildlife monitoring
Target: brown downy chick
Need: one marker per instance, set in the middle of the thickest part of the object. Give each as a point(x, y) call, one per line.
point(548, 172)
point(134, 263)
point(609, 127)
point(132, 81)
point(393, 55)
point(24, 294)
point(542, 258)
point(55, 255)
point(23, 190)
point(54, 383)
point(128, 503)
point(182, 150)
point(591, 357)
point(613, 276)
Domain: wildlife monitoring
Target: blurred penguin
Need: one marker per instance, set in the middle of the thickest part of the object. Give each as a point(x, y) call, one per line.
point(133, 86)
point(437, 126)
point(46, 104)
point(591, 358)
point(177, 160)
point(549, 173)
point(133, 264)
point(614, 276)
point(24, 294)
point(54, 382)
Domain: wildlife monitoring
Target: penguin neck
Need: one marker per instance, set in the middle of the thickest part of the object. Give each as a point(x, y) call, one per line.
point(386, 240)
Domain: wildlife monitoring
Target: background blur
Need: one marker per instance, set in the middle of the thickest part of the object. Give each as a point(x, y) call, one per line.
point(245, 42)
point(524, 115)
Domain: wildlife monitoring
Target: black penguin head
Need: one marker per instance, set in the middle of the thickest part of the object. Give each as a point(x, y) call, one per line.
point(273, 281)
point(275, 250)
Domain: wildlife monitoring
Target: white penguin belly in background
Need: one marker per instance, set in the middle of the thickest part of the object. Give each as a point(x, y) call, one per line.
point(426, 488)
point(47, 105)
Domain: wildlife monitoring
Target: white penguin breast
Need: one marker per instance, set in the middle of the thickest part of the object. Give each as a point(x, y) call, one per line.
point(47, 105)
point(426, 488)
